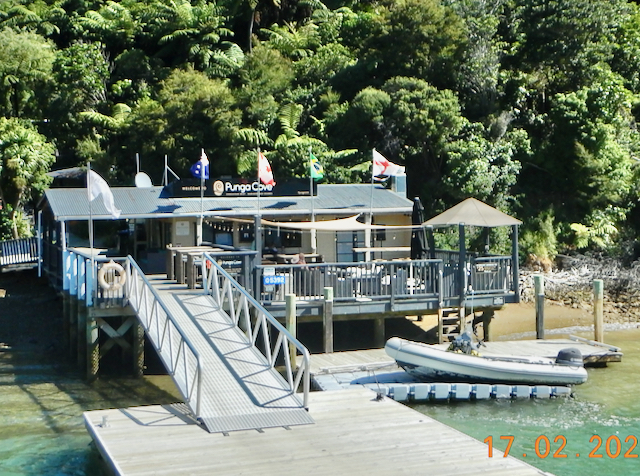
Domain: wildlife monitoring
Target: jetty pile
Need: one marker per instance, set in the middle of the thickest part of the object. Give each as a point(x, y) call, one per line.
point(570, 283)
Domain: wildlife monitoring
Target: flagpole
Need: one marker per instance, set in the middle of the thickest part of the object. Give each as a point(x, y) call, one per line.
point(367, 232)
point(314, 242)
point(256, 226)
point(200, 225)
point(90, 219)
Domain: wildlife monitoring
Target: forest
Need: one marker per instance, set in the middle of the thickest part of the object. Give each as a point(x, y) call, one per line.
point(527, 105)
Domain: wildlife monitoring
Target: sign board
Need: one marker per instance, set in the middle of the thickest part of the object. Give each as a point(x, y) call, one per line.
point(271, 280)
point(228, 187)
point(182, 228)
point(486, 267)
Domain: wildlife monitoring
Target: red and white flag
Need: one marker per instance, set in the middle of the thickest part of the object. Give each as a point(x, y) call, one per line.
point(264, 170)
point(381, 166)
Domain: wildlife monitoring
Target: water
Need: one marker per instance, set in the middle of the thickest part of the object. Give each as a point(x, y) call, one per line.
point(42, 401)
point(42, 430)
point(608, 406)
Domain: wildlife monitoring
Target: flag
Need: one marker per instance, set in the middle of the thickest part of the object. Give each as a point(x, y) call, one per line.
point(264, 170)
point(381, 166)
point(96, 186)
point(317, 171)
point(201, 168)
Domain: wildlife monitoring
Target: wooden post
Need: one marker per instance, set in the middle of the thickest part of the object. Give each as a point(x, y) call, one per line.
point(440, 325)
point(487, 315)
point(81, 344)
point(191, 271)
point(378, 332)
point(138, 349)
point(93, 346)
point(538, 280)
point(179, 267)
point(598, 309)
point(327, 320)
point(290, 301)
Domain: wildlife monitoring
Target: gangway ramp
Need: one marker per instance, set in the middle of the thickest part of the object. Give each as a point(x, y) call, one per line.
point(239, 389)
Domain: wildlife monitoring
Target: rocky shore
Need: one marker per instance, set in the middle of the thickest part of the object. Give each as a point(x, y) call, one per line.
point(570, 284)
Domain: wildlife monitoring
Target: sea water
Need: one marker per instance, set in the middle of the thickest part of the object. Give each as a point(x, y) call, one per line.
point(42, 431)
point(595, 432)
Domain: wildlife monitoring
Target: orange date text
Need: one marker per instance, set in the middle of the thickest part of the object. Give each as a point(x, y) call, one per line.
point(601, 447)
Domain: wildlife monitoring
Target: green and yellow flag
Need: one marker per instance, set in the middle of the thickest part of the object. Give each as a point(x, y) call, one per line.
point(317, 172)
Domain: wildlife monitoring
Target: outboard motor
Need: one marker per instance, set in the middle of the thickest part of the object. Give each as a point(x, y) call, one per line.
point(464, 344)
point(570, 356)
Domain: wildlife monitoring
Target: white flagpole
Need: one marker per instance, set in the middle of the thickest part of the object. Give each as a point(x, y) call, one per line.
point(203, 169)
point(257, 233)
point(367, 232)
point(90, 219)
point(314, 241)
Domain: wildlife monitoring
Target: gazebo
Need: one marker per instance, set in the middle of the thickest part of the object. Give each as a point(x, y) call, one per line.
point(473, 212)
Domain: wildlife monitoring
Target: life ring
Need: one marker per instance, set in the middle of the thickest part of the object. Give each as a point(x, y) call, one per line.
point(117, 281)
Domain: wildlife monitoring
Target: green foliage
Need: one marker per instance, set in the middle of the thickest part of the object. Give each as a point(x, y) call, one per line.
point(25, 70)
point(25, 157)
point(601, 230)
point(539, 237)
point(529, 105)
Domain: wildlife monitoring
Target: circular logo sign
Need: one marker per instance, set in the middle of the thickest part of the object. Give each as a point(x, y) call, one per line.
point(218, 188)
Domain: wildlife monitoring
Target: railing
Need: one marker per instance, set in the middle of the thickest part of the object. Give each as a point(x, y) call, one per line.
point(262, 330)
point(97, 287)
point(373, 280)
point(180, 358)
point(490, 274)
point(20, 251)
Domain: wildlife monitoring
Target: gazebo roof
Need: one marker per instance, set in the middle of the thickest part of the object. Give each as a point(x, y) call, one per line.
point(473, 212)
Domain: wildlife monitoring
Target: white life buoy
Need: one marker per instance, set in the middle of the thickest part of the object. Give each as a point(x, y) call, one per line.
point(116, 280)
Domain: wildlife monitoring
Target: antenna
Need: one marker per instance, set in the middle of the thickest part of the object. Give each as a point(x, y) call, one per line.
point(142, 180)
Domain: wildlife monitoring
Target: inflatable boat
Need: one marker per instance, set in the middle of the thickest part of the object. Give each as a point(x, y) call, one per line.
point(429, 363)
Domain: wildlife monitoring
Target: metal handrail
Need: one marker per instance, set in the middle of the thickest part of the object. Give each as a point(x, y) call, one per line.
point(240, 305)
point(169, 340)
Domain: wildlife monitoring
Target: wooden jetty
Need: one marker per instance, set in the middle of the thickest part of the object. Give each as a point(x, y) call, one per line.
point(354, 433)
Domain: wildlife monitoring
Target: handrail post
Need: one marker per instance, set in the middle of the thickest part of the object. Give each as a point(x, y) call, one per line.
point(291, 325)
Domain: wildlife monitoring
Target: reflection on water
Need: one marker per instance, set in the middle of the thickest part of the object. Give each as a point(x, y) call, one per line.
point(43, 431)
point(608, 406)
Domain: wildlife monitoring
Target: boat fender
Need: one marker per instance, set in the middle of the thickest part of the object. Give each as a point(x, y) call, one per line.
point(118, 279)
point(570, 356)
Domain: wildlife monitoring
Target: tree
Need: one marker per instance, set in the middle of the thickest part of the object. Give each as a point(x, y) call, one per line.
point(25, 158)
point(25, 69)
point(80, 74)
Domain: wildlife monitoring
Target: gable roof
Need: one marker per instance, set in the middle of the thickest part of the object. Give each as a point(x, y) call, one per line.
point(332, 199)
point(473, 212)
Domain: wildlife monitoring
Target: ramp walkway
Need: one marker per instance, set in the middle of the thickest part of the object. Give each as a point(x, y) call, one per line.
point(226, 380)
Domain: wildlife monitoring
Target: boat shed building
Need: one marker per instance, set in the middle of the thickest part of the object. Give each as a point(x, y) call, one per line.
point(154, 217)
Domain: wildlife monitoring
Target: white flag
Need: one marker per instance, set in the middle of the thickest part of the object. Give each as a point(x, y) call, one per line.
point(381, 166)
point(96, 185)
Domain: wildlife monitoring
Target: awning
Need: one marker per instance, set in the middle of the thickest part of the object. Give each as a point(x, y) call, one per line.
point(339, 224)
point(473, 212)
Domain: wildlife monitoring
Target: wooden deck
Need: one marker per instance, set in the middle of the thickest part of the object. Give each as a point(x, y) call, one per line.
point(354, 434)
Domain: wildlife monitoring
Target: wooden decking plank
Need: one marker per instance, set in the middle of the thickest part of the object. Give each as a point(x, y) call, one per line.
point(353, 434)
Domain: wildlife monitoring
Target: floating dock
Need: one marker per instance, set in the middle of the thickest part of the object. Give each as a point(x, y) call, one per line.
point(375, 370)
point(355, 433)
